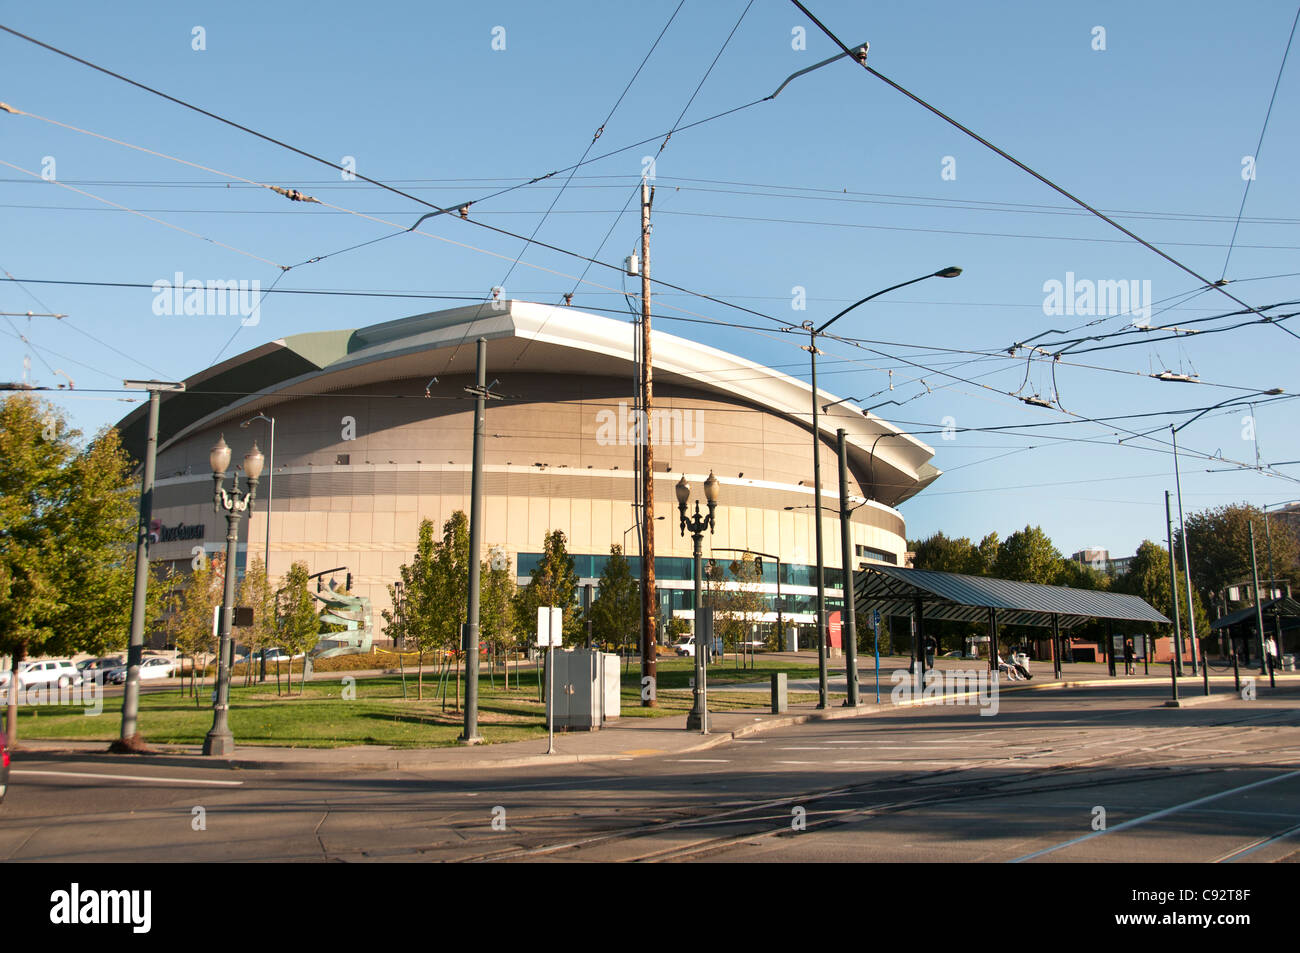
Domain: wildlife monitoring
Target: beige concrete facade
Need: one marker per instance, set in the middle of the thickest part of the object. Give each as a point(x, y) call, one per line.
point(358, 466)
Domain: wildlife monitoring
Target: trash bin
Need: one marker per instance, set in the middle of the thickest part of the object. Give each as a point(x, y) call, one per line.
point(1288, 663)
point(780, 695)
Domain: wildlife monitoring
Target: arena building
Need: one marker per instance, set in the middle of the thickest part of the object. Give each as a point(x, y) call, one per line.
point(373, 433)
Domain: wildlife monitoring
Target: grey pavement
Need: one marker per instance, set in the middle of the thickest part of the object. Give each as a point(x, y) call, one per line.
point(637, 736)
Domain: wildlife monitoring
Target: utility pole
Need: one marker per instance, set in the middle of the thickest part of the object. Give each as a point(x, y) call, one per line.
point(129, 741)
point(822, 681)
point(480, 393)
point(1187, 568)
point(1177, 661)
point(1259, 614)
point(848, 617)
point(649, 600)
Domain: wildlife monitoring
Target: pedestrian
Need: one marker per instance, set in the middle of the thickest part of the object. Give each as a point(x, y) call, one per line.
point(1270, 652)
point(931, 647)
point(1129, 656)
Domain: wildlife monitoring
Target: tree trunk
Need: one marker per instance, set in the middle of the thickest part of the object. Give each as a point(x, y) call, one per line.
point(419, 675)
point(277, 676)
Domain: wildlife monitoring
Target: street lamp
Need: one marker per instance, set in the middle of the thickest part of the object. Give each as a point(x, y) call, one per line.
point(219, 741)
point(697, 524)
point(270, 487)
point(952, 271)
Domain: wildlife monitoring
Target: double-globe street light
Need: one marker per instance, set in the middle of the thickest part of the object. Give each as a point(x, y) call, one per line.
point(697, 523)
point(270, 497)
point(850, 643)
point(234, 504)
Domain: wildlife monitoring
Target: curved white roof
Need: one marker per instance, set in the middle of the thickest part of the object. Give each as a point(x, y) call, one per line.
point(527, 336)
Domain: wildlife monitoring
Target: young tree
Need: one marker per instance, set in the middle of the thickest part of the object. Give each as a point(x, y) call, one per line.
point(616, 610)
point(299, 618)
point(415, 627)
point(496, 590)
point(67, 535)
point(255, 593)
point(552, 583)
point(190, 625)
point(450, 580)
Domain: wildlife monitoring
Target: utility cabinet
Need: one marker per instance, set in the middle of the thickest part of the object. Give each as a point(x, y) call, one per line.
point(587, 689)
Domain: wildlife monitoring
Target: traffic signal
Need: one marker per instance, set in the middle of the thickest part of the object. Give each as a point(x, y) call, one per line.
point(349, 583)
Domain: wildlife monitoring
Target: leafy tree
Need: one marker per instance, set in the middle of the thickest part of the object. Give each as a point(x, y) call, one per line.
point(988, 550)
point(255, 593)
point(1148, 578)
point(450, 580)
point(1218, 547)
point(415, 627)
point(616, 610)
point(299, 628)
point(496, 590)
point(67, 533)
point(745, 605)
point(1028, 556)
point(449, 577)
point(553, 582)
point(942, 554)
point(190, 624)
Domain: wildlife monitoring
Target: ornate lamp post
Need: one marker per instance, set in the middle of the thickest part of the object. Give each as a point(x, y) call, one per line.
point(697, 524)
point(219, 740)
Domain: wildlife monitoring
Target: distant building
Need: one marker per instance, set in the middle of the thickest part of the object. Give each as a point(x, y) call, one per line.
point(1095, 557)
point(1099, 559)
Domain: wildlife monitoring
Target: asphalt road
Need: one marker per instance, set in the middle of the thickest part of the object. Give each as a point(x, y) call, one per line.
point(1217, 783)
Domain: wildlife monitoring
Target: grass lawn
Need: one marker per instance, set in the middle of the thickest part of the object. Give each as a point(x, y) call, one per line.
point(379, 715)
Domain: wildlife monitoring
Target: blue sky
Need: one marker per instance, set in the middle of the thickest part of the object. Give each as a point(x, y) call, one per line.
point(836, 187)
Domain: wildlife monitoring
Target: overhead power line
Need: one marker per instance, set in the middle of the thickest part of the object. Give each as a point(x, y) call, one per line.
point(1022, 166)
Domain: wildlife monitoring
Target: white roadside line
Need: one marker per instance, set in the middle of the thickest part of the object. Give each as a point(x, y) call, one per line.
point(126, 777)
point(1158, 814)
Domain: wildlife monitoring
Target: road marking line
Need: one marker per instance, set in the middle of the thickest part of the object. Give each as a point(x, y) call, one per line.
point(802, 748)
point(702, 761)
point(127, 777)
point(1158, 814)
point(794, 762)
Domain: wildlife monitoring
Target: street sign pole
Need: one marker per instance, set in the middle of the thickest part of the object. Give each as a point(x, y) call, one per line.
point(875, 628)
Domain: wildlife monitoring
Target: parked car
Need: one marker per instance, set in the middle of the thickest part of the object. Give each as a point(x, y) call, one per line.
point(49, 672)
point(153, 667)
point(91, 667)
point(685, 646)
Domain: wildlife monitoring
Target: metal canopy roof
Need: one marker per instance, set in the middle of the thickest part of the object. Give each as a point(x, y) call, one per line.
point(954, 597)
point(1285, 607)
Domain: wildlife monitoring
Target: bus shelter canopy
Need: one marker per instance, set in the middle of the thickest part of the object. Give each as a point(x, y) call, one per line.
point(954, 597)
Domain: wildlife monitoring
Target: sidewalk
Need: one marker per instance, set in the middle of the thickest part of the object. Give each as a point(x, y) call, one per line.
point(622, 740)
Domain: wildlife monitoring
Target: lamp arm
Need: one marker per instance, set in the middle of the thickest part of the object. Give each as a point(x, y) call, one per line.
point(903, 284)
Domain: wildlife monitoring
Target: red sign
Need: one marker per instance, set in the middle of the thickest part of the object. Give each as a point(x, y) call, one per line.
point(836, 628)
